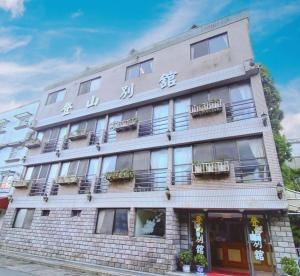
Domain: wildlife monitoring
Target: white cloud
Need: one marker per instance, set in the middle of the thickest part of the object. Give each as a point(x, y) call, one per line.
point(9, 43)
point(76, 14)
point(291, 125)
point(179, 18)
point(15, 7)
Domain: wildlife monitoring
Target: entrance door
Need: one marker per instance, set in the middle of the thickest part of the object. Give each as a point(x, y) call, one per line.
point(227, 242)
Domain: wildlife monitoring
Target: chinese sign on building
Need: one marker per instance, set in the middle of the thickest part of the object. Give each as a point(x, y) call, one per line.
point(168, 79)
point(199, 234)
point(255, 238)
point(127, 91)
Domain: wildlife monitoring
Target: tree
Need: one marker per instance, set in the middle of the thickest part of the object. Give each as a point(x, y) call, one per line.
point(273, 100)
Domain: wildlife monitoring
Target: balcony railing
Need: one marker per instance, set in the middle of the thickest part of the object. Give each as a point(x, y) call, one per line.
point(97, 137)
point(252, 170)
point(101, 185)
point(85, 184)
point(214, 167)
point(241, 110)
point(206, 108)
point(182, 174)
point(40, 186)
point(153, 127)
point(54, 144)
point(181, 121)
point(153, 180)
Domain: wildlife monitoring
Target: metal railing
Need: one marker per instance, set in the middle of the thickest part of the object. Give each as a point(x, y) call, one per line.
point(101, 185)
point(110, 136)
point(54, 144)
point(153, 180)
point(96, 137)
point(153, 127)
point(85, 184)
point(252, 170)
point(241, 110)
point(182, 174)
point(39, 187)
point(181, 121)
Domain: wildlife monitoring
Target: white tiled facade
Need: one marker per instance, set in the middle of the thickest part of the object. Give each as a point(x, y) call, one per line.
point(247, 188)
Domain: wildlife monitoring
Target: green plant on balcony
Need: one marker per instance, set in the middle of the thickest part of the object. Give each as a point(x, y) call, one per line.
point(123, 175)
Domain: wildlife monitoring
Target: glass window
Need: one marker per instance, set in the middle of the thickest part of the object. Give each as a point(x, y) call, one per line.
point(93, 165)
point(240, 92)
point(199, 49)
point(124, 161)
point(108, 164)
point(53, 172)
point(23, 218)
point(182, 165)
point(199, 98)
point(95, 84)
point(89, 86)
point(209, 46)
point(226, 150)
point(141, 160)
point(181, 113)
point(203, 152)
point(57, 96)
point(160, 118)
point(64, 169)
point(139, 69)
point(112, 222)
point(218, 43)
point(150, 222)
point(28, 173)
point(159, 159)
point(250, 148)
point(182, 155)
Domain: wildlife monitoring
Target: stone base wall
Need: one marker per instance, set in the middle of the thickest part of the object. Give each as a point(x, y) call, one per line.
point(281, 238)
point(73, 238)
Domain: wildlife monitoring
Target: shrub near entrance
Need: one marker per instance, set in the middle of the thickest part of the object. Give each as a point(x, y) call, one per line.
point(185, 259)
point(289, 266)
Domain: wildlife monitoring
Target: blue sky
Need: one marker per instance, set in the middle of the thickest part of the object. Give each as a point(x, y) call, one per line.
point(45, 41)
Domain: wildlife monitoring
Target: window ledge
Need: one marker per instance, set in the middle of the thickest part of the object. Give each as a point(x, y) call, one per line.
point(21, 127)
point(12, 160)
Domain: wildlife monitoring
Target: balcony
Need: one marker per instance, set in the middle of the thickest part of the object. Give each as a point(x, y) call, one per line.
point(153, 180)
point(241, 110)
point(153, 127)
point(21, 183)
point(182, 174)
point(206, 108)
point(40, 186)
point(97, 137)
point(120, 176)
point(33, 143)
point(68, 180)
point(252, 170)
point(211, 168)
point(54, 144)
point(181, 121)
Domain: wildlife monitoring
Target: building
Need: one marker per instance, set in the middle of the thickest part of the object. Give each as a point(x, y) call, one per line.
point(14, 131)
point(167, 149)
point(295, 162)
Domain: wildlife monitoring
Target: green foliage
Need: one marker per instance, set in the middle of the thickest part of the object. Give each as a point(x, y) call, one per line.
point(289, 266)
point(273, 100)
point(291, 177)
point(295, 225)
point(200, 259)
point(186, 257)
point(124, 175)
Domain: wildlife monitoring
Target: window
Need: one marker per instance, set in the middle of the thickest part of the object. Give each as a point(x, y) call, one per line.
point(45, 213)
point(209, 46)
point(182, 165)
point(55, 97)
point(24, 119)
point(203, 152)
point(139, 69)
point(150, 222)
point(15, 153)
point(23, 218)
point(250, 148)
point(124, 161)
point(89, 86)
point(240, 92)
point(181, 113)
point(225, 150)
point(112, 222)
point(75, 213)
point(3, 123)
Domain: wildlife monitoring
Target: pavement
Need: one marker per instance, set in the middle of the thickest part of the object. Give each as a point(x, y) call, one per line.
point(19, 267)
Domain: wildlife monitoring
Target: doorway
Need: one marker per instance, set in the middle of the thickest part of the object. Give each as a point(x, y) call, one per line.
point(228, 245)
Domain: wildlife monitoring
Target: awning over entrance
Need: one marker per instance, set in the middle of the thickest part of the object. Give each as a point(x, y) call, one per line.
point(3, 202)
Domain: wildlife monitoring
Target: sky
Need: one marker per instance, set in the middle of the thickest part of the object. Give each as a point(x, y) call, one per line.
point(42, 42)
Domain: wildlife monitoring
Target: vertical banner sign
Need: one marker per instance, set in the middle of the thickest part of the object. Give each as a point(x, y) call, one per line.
point(199, 234)
point(255, 238)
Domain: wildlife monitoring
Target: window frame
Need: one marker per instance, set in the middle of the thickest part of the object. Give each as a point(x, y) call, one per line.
point(90, 84)
point(139, 68)
point(24, 224)
point(208, 40)
point(56, 93)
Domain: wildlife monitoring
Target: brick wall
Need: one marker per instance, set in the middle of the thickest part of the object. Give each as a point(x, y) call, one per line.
point(61, 236)
point(281, 238)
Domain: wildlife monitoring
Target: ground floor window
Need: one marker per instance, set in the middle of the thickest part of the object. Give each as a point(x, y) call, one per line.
point(150, 222)
point(23, 218)
point(112, 221)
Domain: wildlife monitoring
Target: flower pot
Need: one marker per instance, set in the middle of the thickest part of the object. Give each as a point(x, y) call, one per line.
point(186, 268)
point(200, 270)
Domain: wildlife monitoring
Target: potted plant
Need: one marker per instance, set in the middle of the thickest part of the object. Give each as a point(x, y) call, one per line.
point(185, 259)
point(289, 266)
point(200, 262)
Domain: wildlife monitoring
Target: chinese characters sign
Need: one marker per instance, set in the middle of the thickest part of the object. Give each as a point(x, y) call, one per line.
point(127, 91)
point(66, 110)
point(199, 234)
point(255, 238)
point(168, 79)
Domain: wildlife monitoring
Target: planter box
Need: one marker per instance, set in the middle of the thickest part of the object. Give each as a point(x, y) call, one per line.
point(206, 108)
point(124, 125)
point(21, 183)
point(78, 135)
point(67, 180)
point(119, 176)
point(33, 143)
point(219, 167)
